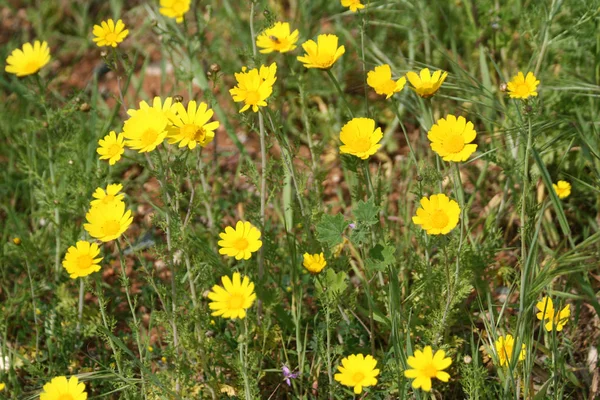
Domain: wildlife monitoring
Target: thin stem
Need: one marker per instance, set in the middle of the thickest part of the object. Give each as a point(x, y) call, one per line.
point(340, 91)
point(329, 368)
point(244, 361)
point(102, 306)
point(80, 307)
point(35, 320)
point(525, 178)
point(410, 148)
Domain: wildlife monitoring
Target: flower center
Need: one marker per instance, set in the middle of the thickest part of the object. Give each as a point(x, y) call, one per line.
point(111, 37)
point(362, 144)
point(439, 219)
point(65, 397)
point(358, 377)
point(193, 132)
point(252, 97)
point(108, 198)
point(241, 244)
point(179, 7)
point(523, 89)
point(236, 301)
point(114, 150)
point(149, 137)
point(430, 370)
point(387, 87)
point(454, 144)
point(325, 61)
point(31, 67)
point(84, 261)
point(111, 227)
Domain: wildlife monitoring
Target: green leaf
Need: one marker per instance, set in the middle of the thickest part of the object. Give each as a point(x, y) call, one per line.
point(330, 229)
point(367, 212)
point(380, 257)
point(335, 283)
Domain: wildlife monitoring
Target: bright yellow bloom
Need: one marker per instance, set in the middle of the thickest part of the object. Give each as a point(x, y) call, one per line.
point(146, 129)
point(233, 299)
point(322, 54)
point(112, 146)
point(521, 87)
point(451, 137)
point(62, 389)
point(437, 214)
point(554, 319)
point(314, 263)
point(28, 60)
point(107, 222)
point(240, 242)
point(504, 349)
point(80, 259)
point(108, 196)
point(254, 87)
point(168, 107)
point(360, 138)
point(425, 84)
point(110, 34)
point(562, 189)
point(2, 386)
point(277, 38)
point(426, 366)
point(357, 371)
point(381, 80)
point(174, 9)
point(354, 5)
point(191, 127)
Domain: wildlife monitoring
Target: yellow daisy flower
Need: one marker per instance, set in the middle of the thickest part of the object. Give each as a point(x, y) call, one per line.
point(110, 34)
point(523, 87)
point(254, 87)
point(80, 259)
point(60, 388)
point(504, 349)
point(425, 366)
point(562, 189)
point(277, 38)
point(146, 129)
point(167, 107)
point(357, 371)
point(381, 80)
point(555, 319)
point(360, 138)
point(451, 137)
point(108, 196)
point(191, 127)
point(233, 299)
point(437, 214)
point(354, 5)
point(425, 84)
point(314, 263)
point(2, 386)
point(322, 54)
point(240, 242)
point(107, 222)
point(28, 60)
point(112, 146)
point(174, 9)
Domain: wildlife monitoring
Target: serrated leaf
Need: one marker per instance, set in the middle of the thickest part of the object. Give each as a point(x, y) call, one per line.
point(330, 229)
point(380, 257)
point(367, 212)
point(335, 283)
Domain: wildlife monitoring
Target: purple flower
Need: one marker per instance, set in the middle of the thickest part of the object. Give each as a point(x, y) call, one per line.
point(288, 375)
point(352, 225)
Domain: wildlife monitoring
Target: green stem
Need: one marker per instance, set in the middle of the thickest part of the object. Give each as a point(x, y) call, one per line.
point(80, 305)
point(329, 366)
point(340, 91)
point(525, 178)
point(410, 148)
point(102, 306)
point(242, 345)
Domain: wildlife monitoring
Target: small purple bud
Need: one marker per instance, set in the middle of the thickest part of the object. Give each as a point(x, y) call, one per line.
point(352, 225)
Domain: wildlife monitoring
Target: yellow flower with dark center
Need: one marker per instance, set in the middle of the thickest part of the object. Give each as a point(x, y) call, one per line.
point(110, 34)
point(357, 371)
point(107, 222)
point(191, 127)
point(146, 129)
point(360, 138)
point(354, 5)
point(425, 366)
point(62, 389)
point(562, 189)
point(240, 242)
point(233, 299)
point(381, 80)
point(555, 319)
point(437, 214)
point(504, 349)
point(523, 87)
point(81, 260)
point(112, 146)
point(174, 9)
point(254, 86)
point(277, 38)
point(314, 263)
point(451, 137)
point(108, 196)
point(28, 60)
point(322, 54)
point(425, 84)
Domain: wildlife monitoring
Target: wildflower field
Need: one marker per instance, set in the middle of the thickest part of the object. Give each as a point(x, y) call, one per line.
point(300, 199)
